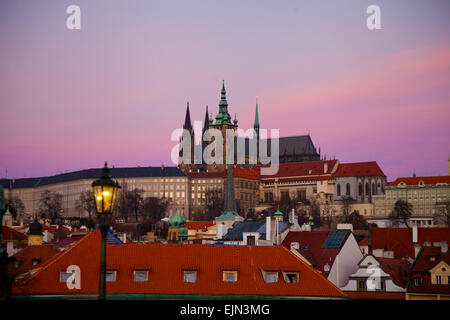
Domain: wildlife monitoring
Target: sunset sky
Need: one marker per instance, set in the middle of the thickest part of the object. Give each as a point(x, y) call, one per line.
point(116, 89)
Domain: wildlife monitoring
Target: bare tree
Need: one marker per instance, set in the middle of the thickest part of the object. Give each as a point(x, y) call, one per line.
point(328, 213)
point(402, 211)
point(214, 205)
point(122, 210)
point(50, 204)
point(86, 203)
point(15, 205)
point(347, 202)
point(154, 208)
point(357, 220)
point(442, 215)
point(135, 201)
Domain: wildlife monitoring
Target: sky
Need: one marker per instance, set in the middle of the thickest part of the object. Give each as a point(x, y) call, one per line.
point(116, 89)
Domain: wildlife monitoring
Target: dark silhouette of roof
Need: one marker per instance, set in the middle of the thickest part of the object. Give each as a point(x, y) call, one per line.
point(115, 173)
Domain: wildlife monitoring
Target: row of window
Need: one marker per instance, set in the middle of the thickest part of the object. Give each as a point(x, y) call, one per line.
point(191, 276)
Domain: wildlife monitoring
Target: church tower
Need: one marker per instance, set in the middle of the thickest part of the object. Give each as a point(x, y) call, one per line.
point(187, 126)
point(223, 123)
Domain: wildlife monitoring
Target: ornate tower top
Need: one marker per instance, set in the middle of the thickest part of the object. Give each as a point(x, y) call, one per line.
point(223, 117)
point(187, 121)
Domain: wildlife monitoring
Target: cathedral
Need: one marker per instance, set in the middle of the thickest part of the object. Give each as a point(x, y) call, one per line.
point(291, 149)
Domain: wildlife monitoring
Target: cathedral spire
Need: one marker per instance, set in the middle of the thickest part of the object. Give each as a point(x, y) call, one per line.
point(256, 124)
point(187, 121)
point(206, 123)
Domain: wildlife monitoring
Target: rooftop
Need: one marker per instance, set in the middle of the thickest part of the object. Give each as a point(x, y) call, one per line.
point(165, 264)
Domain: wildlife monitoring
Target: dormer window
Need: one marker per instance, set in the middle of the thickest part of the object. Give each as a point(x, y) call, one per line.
point(140, 275)
point(190, 276)
point(291, 276)
point(270, 276)
point(35, 261)
point(111, 275)
point(230, 276)
point(421, 183)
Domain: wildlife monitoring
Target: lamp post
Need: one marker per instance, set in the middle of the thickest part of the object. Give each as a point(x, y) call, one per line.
point(105, 192)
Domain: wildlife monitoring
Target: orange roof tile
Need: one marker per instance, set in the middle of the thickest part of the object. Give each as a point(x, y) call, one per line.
point(166, 263)
point(302, 169)
point(414, 181)
point(399, 240)
point(359, 169)
point(199, 225)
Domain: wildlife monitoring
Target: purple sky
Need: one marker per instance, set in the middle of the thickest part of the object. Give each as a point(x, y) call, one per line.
point(117, 88)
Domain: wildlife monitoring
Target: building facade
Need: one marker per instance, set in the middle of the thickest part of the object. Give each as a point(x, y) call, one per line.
point(429, 197)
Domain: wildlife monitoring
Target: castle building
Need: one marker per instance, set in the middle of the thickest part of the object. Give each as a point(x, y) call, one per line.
point(291, 149)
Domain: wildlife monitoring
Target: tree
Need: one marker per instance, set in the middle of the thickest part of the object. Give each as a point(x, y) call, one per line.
point(442, 215)
point(154, 208)
point(122, 210)
point(86, 203)
point(15, 206)
point(347, 202)
point(357, 220)
point(327, 214)
point(402, 211)
point(214, 204)
point(315, 212)
point(134, 201)
point(50, 204)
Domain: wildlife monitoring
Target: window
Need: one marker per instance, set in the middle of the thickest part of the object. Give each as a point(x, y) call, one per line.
point(381, 285)
point(291, 277)
point(270, 276)
point(251, 240)
point(347, 189)
point(338, 189)
point(438, 280)
point(190, 275)
point(111, 276)
point(63, 276)
point(367, 188)
point(140, 275)
point(362, 285)
point(229, 276)
point(360, 189)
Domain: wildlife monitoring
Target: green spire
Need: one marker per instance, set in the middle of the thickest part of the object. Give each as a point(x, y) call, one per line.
point(256, 124)
point(235, 121)
point(210, 119)
point(223, 117)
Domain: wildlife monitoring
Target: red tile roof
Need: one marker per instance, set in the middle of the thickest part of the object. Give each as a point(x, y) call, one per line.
point(375, 295)
point(43, 253)
point(166, 263)
point(199, 225)
point(237, 172)
point(398, 269)
point(359, 169)
point(414, 181)
point(10, 234)
point(303, 169)
point(421, 267)
point(311, 243)
point(399, 240)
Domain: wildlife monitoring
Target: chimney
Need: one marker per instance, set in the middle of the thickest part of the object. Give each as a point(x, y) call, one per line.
point(325, 167)
point(415, 234)
point(369, 251)
point(444, 247)
point(268, 228)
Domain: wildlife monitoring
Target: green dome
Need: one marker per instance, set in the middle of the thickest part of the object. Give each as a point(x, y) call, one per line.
point(278, 214)
point(176, 220)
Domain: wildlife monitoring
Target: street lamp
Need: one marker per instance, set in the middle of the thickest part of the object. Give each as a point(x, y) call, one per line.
point(105, 192)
